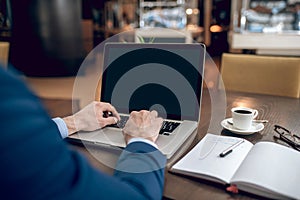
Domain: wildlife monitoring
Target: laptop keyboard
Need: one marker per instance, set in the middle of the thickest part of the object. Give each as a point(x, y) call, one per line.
point(166, 129)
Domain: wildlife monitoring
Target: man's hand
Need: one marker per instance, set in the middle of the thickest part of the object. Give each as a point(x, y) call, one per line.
point(143, 124)
point(91, 117)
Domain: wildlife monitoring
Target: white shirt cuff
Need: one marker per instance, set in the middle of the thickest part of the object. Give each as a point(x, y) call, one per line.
point(62, 127)
point(142, 140)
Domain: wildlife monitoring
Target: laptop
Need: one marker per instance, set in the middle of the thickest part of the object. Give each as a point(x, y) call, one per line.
point(162, 77)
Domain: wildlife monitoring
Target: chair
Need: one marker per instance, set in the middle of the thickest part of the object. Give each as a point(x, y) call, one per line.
point(272, 75)
point(4, 52)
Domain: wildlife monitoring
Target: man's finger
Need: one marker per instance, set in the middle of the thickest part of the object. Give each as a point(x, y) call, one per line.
point(109, 120)
point(108, 107)
point(154, 113)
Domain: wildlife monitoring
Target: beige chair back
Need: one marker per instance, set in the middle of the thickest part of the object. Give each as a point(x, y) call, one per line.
point(272, 75)
point(4, 51)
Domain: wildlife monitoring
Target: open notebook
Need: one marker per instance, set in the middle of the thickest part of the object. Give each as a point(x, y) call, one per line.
point(266, 168)
point(162, 77)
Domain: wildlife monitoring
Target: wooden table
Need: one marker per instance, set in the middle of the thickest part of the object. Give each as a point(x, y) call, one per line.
point(278, 110)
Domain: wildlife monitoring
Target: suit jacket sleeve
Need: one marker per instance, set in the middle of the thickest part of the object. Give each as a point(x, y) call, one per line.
point(37, 164)
point(142, 166)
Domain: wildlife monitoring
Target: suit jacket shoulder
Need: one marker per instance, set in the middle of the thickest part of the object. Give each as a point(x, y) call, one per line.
point(39, 164)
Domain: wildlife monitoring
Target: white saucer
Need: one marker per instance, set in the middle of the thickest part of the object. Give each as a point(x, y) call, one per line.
point(256, 127)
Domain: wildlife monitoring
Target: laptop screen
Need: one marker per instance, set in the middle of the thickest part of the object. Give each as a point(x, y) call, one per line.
point(162, 77)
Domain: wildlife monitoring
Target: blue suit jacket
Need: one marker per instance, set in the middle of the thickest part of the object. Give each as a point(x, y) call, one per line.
point(37, 164)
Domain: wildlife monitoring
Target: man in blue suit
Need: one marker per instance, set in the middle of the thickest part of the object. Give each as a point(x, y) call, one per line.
point(37, 164)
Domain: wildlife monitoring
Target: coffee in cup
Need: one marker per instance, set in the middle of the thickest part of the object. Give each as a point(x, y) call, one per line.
point(242, 117)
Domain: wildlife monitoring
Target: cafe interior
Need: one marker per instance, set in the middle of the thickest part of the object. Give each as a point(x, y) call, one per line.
point(253, 58)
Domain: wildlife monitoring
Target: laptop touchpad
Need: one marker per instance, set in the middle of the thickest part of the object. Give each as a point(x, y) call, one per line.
point(110, 136)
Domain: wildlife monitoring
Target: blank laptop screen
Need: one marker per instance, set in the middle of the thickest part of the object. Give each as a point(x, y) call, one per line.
point(162, 77)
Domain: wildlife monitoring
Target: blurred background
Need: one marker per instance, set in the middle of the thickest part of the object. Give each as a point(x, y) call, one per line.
point(51, 38)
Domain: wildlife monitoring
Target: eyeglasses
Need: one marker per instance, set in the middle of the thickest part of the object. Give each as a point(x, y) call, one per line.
point(285, 135)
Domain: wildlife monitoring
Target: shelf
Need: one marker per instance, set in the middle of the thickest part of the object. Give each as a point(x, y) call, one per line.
point(161, 3)
point(168, 14)
point(268, 27)
point(283, 43)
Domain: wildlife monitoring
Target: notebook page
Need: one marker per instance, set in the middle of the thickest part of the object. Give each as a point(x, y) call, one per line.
point(204, 161)
point(272, 167)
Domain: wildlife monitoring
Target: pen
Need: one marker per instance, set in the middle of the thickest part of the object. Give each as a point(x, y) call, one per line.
point(230, 149)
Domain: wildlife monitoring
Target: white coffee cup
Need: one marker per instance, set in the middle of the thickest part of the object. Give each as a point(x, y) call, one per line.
point(242, 117)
